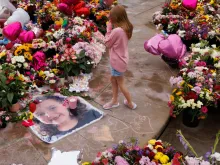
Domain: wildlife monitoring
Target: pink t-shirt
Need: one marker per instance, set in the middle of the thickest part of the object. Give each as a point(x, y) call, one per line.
point(117, 41)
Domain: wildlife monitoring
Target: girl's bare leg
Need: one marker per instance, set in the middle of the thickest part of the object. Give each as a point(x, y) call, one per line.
point(114, 90)
point(124, 90)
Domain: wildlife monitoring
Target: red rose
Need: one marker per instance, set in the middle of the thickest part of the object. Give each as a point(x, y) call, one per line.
point(191, 95)
point(158, 143)
point(32, 107)
point(9, 46)
point(27, 123)
point(105, 161)
point(151, 155)
point(217, 87)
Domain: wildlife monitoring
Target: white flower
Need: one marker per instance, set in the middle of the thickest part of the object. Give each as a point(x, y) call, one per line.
point(0, 67)
point(213, 46)
point(13, 61)
point(46, 73)
point(216, 155)
point(19, 65)
point(150, 146)
point(217, 65)
point(52, 81)
point(51, 75)
point(154, 150)
point(199, 104)
point(25, 65)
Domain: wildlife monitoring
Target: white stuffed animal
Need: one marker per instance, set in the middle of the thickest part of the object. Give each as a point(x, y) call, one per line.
point(19, 15)
point(8, 5)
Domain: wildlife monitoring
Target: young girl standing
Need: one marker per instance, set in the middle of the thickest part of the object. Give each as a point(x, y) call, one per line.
point(119, 31)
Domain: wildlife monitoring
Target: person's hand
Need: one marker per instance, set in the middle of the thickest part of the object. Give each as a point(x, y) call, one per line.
point(109, 26)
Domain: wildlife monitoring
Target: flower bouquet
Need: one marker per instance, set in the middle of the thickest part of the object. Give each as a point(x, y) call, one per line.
point(211, 158)
point(14, 86)
point(196, 83)
point(154, 153)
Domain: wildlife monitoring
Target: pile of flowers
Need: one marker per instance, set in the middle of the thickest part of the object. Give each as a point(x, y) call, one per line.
point(64, 46)
point(196, 85)
point(125, 153)
point(191, 25)
point(155, 152)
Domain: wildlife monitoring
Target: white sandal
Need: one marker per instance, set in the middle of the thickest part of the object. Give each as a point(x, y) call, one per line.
point(109, 105)
point(134, 105)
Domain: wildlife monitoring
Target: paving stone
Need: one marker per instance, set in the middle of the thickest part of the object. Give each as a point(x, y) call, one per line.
point(21, 152)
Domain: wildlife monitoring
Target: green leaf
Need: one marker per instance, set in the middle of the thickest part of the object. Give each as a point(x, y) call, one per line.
point(82, 66)
point(3, 78)
point(10, 97)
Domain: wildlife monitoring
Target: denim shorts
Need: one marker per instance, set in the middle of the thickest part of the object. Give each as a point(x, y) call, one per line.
point(115, 73)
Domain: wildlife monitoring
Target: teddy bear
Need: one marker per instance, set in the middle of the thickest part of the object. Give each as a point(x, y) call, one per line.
point(70, 7)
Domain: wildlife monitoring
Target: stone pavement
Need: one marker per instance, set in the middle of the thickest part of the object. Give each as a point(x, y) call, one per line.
point(147, 79)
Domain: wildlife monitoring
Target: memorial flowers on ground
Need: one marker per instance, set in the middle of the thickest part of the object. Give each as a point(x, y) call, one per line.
point(195, 85)
point(63, 46)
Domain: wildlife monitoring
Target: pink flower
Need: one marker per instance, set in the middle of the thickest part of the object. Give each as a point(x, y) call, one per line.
point(120, 161)
point(197, 89)
point(7, 118)
point(201, 63)
point(204, 109)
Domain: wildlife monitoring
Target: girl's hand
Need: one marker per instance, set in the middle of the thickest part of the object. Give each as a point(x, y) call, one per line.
point(109, 26)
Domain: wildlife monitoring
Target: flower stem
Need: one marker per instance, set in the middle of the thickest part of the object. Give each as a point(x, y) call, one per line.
point(216, 142)
point(187, 143)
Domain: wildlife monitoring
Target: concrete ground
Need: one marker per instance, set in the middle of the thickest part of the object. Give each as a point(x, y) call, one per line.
point(148, 81)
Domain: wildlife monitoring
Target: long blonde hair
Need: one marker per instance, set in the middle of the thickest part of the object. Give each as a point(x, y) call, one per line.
point(119, 18)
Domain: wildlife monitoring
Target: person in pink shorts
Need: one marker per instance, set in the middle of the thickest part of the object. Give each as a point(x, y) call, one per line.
point(119, 31)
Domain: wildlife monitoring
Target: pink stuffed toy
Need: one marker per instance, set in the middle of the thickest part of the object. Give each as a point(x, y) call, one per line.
point(190, 4)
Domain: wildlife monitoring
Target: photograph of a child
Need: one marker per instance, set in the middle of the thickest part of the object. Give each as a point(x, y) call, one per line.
point(55, 118)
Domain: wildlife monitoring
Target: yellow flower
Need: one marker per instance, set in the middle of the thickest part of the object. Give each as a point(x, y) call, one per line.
point(2, 54)
point(158, 146)
point(152, 141)
point(86, 163)
point(164, 159)
point(181, 84)
point(179, 93)
point(190, 86)
point(28, 56)
point(174, 90)
point(55, 71)
point(21, 77)
point(167, 163)
point(212, 2)
point(31, 116)
point(41, 74)
point(171, 98)
point(158, 156)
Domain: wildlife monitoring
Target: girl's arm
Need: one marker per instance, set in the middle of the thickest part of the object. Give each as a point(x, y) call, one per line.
point(111, 36)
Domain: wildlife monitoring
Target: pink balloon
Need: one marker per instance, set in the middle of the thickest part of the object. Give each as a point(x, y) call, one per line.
point(27, 36)
point(172, 47)
point(190, 4)
point(12, 31)
point(152, 44)
point(64, 8)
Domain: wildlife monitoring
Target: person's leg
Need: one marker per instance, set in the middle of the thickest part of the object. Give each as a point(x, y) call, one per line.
point(114, 102)
point(114, 90)
point(124, 90)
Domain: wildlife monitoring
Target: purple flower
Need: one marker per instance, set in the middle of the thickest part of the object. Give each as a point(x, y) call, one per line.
point(197, 89)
